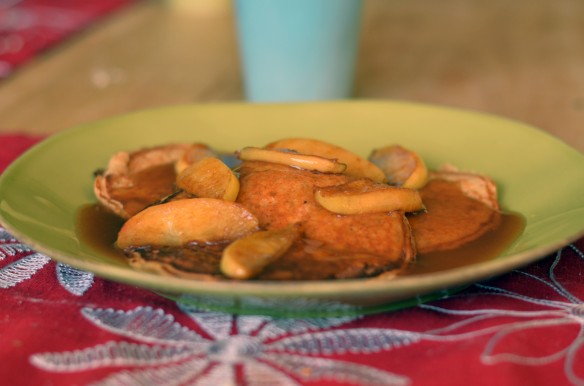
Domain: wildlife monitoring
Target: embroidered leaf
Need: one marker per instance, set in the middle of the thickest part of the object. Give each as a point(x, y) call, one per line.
point(259, 374)
point(12, 249)
point(247, 325)
point(10, 246)
point(314, 369)
point(218, 325)
point(22, 269)
point(171, 375)
point(109, 354)
point(145, 324)
point(282, 326)
point(362, 340)
point(74, 280)
point(4, 235)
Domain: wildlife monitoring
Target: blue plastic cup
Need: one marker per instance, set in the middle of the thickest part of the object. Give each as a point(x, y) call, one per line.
point(298, 50)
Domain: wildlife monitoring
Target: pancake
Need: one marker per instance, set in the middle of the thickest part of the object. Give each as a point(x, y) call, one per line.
point(134, 180)
point(460, 208)
point(280, 195)
point(305, 260)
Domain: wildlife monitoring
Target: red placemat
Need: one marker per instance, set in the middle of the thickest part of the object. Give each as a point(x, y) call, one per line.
point(61, 326)
point(29, 27)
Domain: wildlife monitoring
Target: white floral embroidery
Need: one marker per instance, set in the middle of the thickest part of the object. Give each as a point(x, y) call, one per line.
point(293, 351)
point(564, 312)
point(75, 281)
point(22, 269)
point(9, 246)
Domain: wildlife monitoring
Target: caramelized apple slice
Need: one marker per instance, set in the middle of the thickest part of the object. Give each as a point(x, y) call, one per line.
point(248, 256)
point(209, 178)
point(193, 154)
point(302, 161)
point(363, 196)
point(178, 222)
point(401, 166)
point(357, 166)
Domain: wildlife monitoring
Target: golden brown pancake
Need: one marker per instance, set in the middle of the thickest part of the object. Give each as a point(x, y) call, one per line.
point(460, 207)
point(309, 259)
point(332, 247)
point(280, 195)
point(453, 217)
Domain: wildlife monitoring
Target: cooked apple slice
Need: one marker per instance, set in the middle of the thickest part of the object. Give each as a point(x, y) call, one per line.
point(401, 166)
point(193, 154)
point(179, 222)
point(209, 178)
point(357, 166)
point(247, 257)
point(297, 160)
point(363, 196)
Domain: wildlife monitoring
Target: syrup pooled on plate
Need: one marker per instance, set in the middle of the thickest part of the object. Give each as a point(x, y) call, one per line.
point(485, 248)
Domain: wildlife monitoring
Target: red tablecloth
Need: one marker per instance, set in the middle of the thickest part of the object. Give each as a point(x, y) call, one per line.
point(60, 326)
point(29, 27)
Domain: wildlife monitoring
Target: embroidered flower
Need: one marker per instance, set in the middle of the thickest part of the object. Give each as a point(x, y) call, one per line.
point(25, 263)
point(561, 309)
point(256, 349)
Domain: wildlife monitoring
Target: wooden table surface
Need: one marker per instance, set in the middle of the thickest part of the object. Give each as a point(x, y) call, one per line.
point(521, 59)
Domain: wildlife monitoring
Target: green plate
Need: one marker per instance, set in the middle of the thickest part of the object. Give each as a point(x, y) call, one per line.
point(538, 176)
